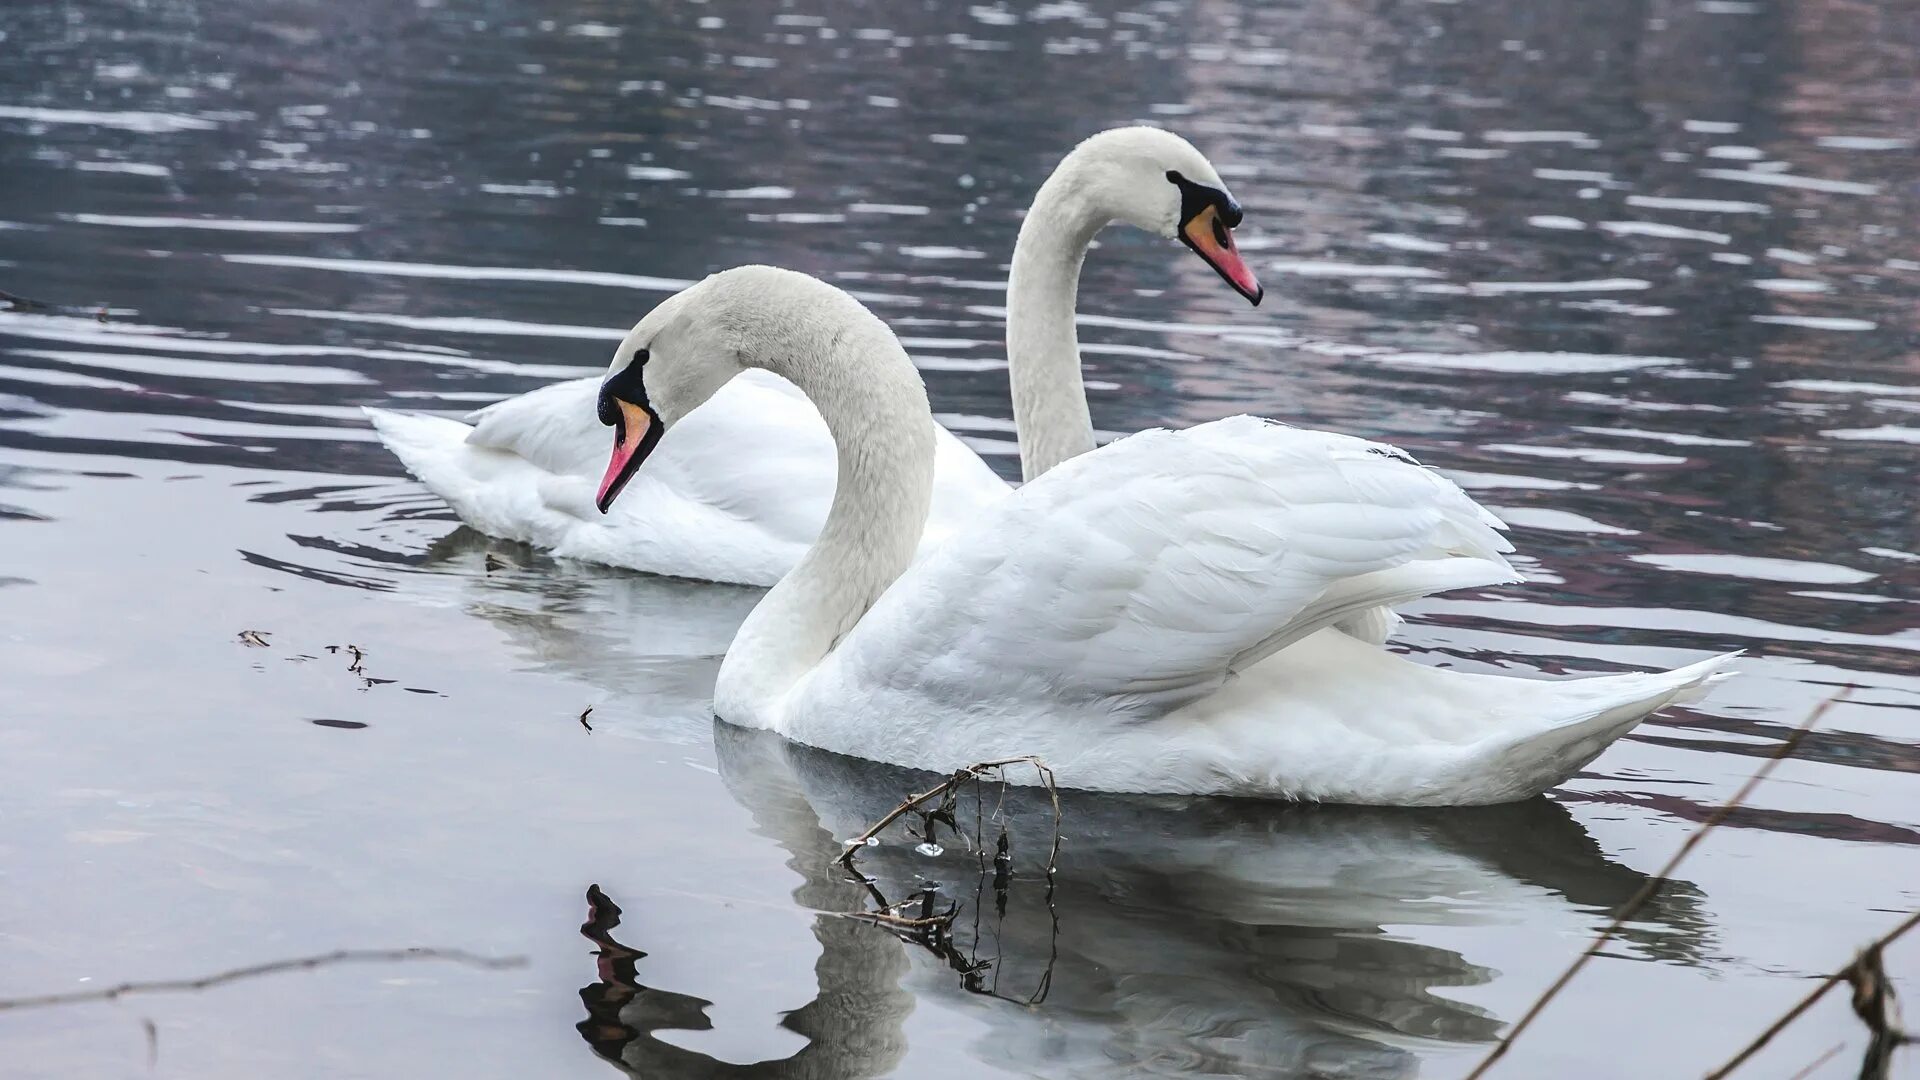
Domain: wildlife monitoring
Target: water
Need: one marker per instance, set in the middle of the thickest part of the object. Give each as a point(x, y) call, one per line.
point(1643, 279)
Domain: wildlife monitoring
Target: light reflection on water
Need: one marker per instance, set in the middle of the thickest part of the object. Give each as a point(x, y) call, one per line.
point(1642, 280)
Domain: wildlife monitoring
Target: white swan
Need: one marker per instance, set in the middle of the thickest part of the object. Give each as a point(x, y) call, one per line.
point(526, 468)
point(1149, 617)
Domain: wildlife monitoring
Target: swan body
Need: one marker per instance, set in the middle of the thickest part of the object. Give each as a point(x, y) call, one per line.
point(742, 487)
point(1155, 616)
point(735, 496)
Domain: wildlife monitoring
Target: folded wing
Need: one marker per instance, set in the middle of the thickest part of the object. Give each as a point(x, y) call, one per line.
point(1141, 576)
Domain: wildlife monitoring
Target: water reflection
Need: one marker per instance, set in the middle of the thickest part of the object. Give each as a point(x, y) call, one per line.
point(1212, 936)
point(852, 1025)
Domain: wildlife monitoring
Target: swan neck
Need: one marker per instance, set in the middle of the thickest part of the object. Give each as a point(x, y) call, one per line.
point(875, 407)
point(1043, 349)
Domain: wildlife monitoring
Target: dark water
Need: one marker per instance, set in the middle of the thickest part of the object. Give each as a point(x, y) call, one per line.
point(1644, 277)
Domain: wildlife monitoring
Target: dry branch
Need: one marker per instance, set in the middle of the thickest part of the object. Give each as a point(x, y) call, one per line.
point(1656, 883)
point(24, 303)
point(945, 791)
point(304, 963)
point(932, 929)
point(1845, 974)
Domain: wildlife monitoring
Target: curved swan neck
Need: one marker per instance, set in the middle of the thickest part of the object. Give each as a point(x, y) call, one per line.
point(1043, 350)
point(859, 377)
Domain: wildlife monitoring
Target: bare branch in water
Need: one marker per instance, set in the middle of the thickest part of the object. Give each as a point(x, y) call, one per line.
point(24, 303)
point(1872, 1001)
point(12, 302)
point(945, 790)
point(275, 967)
point(1871, 1006)
point(930, 928)
point(1657, 882)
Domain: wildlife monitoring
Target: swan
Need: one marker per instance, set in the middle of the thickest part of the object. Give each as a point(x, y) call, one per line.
point(1154, 616)
point(525, 468)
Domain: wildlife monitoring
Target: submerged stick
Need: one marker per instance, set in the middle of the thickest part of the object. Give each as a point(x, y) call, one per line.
point(24, 303)
point(931, 929)
point(303, 963)
point(1656, 883)
point(1845, 974)
point(14, 302)
point(947, 787)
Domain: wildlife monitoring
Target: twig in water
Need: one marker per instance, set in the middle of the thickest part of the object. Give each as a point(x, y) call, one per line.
point(1872, 1000)
point(938, 920)
point(1845, 974)
point(24, 303)
point(931, 929)
point(303, 963)
point(11, 302)
point(945, 790)
point(1654, 884)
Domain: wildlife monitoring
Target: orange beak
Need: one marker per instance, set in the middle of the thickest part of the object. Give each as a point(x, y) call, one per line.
point(1210, 239)
point(633, 439)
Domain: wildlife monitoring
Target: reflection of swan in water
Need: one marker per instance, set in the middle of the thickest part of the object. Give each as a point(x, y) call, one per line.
point(1193, 935)
point(650, 645)
point(853, 1024)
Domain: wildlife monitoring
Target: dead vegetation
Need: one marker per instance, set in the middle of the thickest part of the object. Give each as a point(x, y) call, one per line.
point(1873, 994)
point(1873, 1003)
point(13, 302)
point(919, 918)
point(254, 971)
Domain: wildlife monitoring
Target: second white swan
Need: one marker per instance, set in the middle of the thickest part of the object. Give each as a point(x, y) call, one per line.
point(525, 468)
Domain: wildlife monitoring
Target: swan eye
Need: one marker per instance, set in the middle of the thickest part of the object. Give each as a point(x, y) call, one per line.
point(627, 383)
point(1195, 199)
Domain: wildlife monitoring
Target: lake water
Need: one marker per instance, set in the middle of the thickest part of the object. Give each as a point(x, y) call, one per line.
point(1643, 278)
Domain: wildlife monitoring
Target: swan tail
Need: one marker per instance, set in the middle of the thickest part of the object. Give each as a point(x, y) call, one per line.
point(1598, 711)
point(494, 491)
point(431, 448)
point(426, 445)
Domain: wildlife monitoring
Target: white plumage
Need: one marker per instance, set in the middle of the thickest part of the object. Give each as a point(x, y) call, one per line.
point(739, 489)
point(1153, 616)
point(1144, 573)
point(735, 495)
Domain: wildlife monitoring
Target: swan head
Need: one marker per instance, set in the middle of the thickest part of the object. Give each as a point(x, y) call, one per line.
point(1157, 181)
point(668, 364)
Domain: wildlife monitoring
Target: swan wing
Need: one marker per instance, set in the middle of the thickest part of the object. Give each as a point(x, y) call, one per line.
point(555, 428)
point(1146, 573)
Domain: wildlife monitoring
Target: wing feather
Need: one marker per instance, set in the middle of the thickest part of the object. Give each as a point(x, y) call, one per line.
point(1145, 573)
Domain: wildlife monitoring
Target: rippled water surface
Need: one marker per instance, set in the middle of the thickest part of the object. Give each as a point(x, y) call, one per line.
point(1644, 278)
